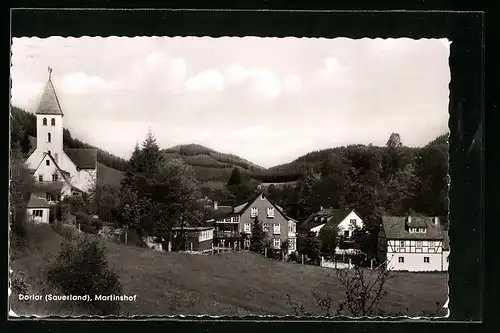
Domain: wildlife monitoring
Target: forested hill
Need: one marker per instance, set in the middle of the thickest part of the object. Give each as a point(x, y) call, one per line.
point(23, 130)
point(211, 165)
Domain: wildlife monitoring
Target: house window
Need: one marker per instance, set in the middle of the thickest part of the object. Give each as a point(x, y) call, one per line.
point(48, 196)
point(291, 244)
point(291, 228)
point(237, 218)
point(411, 230)
point(426, 260)
point(53, 122)
point(47, 162)
point(262, 197)
point(246, 243)
point(54, 177)
point(277, 243)
point(346, 233)
point(40, 178)
point(402, 243)
point(276, 228)
point(246, 227)
point(265, 227)
point(270, 211)
point(419, 244)
point(37, 212)
point(44, 121)
point(48, 137)
point(254, 212)
point(401, 260)
point(352, 221)
point(424, 230)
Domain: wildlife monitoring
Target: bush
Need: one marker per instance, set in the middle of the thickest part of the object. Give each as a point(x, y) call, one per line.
point(67, 231)
point(88, 224)
point(81, 269)
point(18, 283)
point(293, 256)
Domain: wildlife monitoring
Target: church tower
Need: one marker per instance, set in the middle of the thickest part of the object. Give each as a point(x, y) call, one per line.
point(49, 122)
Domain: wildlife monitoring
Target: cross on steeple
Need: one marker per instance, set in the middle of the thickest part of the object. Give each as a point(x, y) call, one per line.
point(50, 72)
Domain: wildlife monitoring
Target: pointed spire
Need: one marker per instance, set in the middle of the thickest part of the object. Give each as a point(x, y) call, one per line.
point(49, 104)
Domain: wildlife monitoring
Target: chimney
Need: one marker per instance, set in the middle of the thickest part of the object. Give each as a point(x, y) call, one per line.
point(435, 220)
point(216, 206)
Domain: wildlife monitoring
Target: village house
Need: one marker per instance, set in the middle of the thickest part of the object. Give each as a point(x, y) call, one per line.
point(346, 221)
point(197, 239)
point(38, 209)
point(234, 220)
point(413, 243)
point(58, 172)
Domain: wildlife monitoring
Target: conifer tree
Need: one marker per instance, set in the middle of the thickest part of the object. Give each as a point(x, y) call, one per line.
point(257, 240)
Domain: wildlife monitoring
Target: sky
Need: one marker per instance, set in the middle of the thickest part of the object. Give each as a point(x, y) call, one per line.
point(268, 100)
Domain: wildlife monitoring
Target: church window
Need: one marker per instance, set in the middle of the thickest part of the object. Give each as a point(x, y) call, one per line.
point(48, 137)
point(52, 122)
point(47, 162)
point(48, 196)
point(44, 121)
point(54, 177)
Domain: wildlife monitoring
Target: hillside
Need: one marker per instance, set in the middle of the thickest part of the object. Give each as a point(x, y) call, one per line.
point(233, 284)
point(211, 166)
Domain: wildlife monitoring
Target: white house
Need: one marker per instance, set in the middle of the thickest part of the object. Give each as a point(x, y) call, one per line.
point(38, 209)
point(413, 243)
point(346, 221)
point(58, 172)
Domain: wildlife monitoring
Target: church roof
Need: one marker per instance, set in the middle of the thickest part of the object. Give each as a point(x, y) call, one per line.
point(83, 158)
point(49, 104)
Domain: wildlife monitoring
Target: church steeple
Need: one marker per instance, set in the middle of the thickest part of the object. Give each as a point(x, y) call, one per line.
point(49, 104)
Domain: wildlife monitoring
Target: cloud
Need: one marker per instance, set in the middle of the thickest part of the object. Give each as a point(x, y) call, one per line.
point(292, 83)
point(209, 80)
point(81, 83)
point(263, 82)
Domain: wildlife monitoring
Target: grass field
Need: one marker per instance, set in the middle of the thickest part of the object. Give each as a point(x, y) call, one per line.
point(234, 284)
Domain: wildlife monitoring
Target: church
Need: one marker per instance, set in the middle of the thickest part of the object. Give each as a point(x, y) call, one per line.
point(58, 171)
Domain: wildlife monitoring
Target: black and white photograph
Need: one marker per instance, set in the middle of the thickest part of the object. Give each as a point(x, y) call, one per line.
point(254, 176)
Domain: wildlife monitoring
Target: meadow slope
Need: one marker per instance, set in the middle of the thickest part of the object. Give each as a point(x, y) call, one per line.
point(233, 284)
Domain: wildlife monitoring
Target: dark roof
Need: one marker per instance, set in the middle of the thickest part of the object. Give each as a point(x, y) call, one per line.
point(36, 202)
point(395, 227)
point(83, 158)
point(330, 215)
point(192, 228)
point(48, 186)
point(226, 211)
point(49, 104)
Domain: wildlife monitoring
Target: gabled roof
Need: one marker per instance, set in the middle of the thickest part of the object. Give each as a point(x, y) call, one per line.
point(395, 228)
point(226, 211)
point(327, 215)
point(83, 158)
point(49, 104)
point(36, 202)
